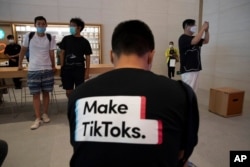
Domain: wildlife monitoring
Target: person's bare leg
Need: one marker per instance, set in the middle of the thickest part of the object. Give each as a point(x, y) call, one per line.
point(46, 102)
point(36, 105)
point(45, 116)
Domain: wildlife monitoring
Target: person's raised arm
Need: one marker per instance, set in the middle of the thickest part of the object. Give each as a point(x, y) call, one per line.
point(206, 38)
point(199, 35)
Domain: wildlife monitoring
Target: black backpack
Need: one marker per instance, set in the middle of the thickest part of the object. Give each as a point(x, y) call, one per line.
point(191, 131)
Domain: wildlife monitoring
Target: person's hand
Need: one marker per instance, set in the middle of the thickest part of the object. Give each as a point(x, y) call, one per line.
point(20, 67)
point(54, 69)
point(14, 60)
point(205, 26)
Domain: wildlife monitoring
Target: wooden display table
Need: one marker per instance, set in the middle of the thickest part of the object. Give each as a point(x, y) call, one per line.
point(13, 72)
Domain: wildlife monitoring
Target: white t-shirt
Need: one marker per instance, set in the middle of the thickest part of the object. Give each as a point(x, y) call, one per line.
point(39, 47)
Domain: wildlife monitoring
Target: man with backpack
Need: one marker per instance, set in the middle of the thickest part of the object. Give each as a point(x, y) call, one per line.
point(131, 116)
point(41, 68)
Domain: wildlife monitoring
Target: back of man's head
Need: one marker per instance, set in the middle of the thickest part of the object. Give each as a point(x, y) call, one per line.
point(10, 37)
point(132, 37)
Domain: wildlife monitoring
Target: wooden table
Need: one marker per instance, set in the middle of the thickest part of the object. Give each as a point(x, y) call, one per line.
point(13, 72)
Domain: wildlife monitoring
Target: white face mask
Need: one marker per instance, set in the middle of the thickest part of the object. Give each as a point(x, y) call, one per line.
point(171, 46)
point(11, 40)
point(193, 29)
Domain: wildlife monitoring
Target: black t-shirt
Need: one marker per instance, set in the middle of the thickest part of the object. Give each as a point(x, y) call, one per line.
point(127, 117)
point(11, 50)
point(190, 59)
point(75, 49)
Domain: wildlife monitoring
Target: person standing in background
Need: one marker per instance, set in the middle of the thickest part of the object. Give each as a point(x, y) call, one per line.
point(74, 57)
point(41, 68)
point(12, 52)
point(190, 48)
point(172, 57)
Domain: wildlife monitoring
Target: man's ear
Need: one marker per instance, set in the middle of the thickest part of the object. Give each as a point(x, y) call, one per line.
point(111, 57)
point(150, 57)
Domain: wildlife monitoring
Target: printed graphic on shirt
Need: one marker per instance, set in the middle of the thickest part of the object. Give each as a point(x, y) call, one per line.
point(119, 119)
point(192, 60)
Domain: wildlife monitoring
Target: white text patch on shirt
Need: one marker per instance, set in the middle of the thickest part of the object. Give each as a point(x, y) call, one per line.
point(119, 119)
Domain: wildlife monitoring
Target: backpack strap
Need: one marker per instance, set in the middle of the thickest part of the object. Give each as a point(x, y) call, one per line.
point(48, 36)
point(192, 127)
point(31, 34)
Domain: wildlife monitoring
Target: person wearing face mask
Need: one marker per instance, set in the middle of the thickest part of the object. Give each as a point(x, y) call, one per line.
point(190, 60)
point(190, 48)
point(75, 51)
point(12, 52)
point(40, 78)
point(172, 57)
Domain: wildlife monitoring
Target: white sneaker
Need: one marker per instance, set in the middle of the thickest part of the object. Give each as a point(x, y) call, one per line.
point(36, 124)
point(45, 118)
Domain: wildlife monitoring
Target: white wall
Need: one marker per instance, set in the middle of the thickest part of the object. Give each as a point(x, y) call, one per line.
point(165, 17)
point(226, 59)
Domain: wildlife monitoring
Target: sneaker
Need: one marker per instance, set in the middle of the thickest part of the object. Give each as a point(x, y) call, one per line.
point(45, 118)
point(36, 124)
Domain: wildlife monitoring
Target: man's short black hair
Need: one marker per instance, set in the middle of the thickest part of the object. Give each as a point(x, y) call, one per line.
point(132, 36)
point(188, 22)
point(40, 18)
point(78, 22)
point(10, 37)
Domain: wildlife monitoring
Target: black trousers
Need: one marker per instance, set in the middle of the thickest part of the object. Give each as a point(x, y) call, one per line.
point(171, 71)
point(17, 82)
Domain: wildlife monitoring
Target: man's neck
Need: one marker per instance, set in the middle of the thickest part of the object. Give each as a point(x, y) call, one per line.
point(77, 35)
point(188, 33)
point(40, 34)
point(131, 62)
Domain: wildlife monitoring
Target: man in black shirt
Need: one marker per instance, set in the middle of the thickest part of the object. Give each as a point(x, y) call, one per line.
point(190, 48)
point(129, 116)
point(75, 54)
point(12, 52)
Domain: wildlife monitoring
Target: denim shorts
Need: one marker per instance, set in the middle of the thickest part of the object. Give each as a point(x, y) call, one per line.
point(42, 80)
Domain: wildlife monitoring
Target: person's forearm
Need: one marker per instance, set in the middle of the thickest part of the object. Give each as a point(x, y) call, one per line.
point(87, 66)
point(88, 62)
point(8, 56)
point(206, 38)
point(21, 56)
point(198, 37)
point(61, 55)
point(52, 58)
